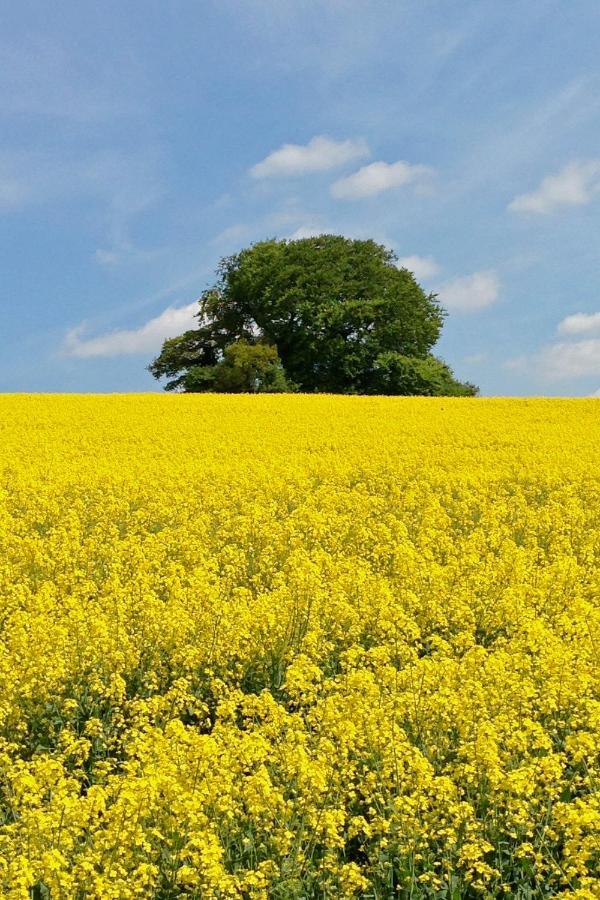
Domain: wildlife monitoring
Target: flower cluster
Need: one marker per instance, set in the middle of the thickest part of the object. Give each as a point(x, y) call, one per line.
point(299, 647)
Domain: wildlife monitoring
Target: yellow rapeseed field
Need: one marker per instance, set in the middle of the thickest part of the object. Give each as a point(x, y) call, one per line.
point(299, 647)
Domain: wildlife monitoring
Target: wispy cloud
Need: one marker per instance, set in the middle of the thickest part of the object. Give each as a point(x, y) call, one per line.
point(122, 251)
point(113, 186)
point(378, 177)
point(126, 182)
point(45, 78)
point(580, 323)
point(145, 339)
point(319, 155)
point(291, 223)
point(421, 266)
point(470, 293)
point(86, 155)
point(575, 185)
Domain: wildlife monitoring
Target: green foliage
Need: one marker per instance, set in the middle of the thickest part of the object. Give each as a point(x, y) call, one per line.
point(339, 315)
point(244, 368)
point(411, 375)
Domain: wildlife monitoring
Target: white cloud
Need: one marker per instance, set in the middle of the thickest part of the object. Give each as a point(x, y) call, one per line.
point(124, 252)
point(145, 339)
point(561, 361)
point(517, 364)
point(12, 194)
point(475, 359)
point(305, 231)
point(580, 323)
point(595, 393)
point(575, 185)
point(569, 359)
point(233, 234)
point(320, 154)
point(378, 177)
point(421, 266)
point(107, 257)
point(470, 292)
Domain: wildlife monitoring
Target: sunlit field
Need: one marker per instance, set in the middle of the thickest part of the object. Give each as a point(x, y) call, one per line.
point(299, 647)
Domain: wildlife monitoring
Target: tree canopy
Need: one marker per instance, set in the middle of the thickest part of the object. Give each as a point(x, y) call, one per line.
point(319, 314)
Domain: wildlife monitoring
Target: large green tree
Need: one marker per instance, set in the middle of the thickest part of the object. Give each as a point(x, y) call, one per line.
point(319, 314)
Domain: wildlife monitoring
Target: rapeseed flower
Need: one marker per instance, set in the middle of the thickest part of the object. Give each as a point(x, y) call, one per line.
point(292, 647)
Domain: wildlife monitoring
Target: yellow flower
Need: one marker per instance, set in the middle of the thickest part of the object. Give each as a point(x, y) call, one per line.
point(298, 646)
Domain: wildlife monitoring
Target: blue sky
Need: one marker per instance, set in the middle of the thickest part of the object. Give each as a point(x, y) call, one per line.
point(142, 141)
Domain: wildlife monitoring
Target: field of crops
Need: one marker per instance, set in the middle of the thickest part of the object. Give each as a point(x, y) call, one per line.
point(299, 647)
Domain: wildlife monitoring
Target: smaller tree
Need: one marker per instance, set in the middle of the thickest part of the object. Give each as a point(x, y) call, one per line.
point(429, 376)
point(244, 369)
